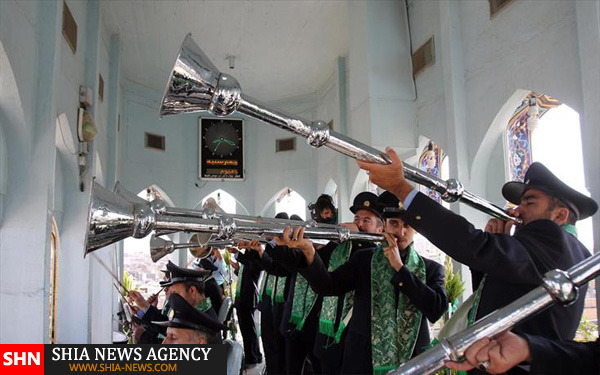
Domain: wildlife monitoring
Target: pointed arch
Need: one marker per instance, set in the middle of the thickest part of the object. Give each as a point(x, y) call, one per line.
point(229, 203)
point(331, 189)
point(479, 167)
point(137, 264)
point(285, 200)
point(156, 192)
point(362, 183)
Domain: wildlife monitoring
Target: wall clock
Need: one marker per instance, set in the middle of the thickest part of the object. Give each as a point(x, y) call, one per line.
point(221, 149)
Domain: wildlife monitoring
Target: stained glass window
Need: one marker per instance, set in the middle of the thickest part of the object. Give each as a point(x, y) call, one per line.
point(519, 146)
point(431, 162)
point(519, 132)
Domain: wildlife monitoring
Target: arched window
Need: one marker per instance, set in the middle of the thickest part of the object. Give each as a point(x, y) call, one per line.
point(433, 160)
point(53, 278)
point(333, 191)
point(137, 264)
point(548, 131)
point(291, 202)
point(225, 200)
point(519, 133)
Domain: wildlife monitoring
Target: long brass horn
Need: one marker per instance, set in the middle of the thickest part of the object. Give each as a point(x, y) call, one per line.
point(113, 217)
point(195, 85)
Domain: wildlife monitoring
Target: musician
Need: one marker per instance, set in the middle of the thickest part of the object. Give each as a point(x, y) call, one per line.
point(295, 312)
point(323, 210)
point(186, 282)
point(273, 341)
point(545, 356)
point(246, 301)
point(386, 283)
point(190, 325)
point(329, 342)
point(505, 266)
point(315, 331)
point(211, 286)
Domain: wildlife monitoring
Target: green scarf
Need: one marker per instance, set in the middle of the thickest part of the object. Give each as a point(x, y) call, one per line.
point(268, 284)
point(238, 283)
point(394, 329)
point(302, 303)
point(327, 327)
point(204, 305)
point(278, 295)
point(570, 228)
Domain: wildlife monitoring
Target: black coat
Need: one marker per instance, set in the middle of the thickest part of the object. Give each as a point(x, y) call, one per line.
point(514, 264)
point(549, 357)
point(355, 275)
point(248, 298)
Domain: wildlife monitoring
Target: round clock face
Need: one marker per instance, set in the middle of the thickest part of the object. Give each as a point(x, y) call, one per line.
point(222, 139)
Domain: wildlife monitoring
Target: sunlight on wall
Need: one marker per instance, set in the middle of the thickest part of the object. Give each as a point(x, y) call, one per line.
point(292, 203)
point(225, 200)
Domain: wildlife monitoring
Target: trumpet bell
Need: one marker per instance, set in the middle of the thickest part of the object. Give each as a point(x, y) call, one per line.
point(195, 84)
point(200, 251)
point(160, 248)
point(112, 218)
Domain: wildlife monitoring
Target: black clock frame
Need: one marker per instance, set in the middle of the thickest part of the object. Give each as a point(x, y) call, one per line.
point(205, 156)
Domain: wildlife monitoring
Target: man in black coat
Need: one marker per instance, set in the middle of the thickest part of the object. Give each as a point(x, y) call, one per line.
point(545, 356)
point(425, 293)
point(246, 301)
point(186, 282)
point(512, 264)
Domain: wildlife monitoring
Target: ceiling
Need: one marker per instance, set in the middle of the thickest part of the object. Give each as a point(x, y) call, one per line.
point(283, 49)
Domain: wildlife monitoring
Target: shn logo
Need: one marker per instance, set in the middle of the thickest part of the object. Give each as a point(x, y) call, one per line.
point(21, 358)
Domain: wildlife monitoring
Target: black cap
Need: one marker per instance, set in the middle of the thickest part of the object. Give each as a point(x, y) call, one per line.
point(282, 215)
point(539, 177)
point(390, 205)
point(366, 201)
point(187, 316)
point(295, 217)
point(178, 275)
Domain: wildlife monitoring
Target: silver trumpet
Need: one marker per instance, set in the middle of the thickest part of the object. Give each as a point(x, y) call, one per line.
point(197, 85)
point(113, 217)
point(160, 247)
point(557, 287)
point(159, 206)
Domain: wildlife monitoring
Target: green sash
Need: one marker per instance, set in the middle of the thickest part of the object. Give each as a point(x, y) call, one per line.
point(238, 283)
point(394, 330)
point(570, 228)
point(267, 286)
point(327, 327)
point(278, 295)
point(302, 303)
point(204, 305)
